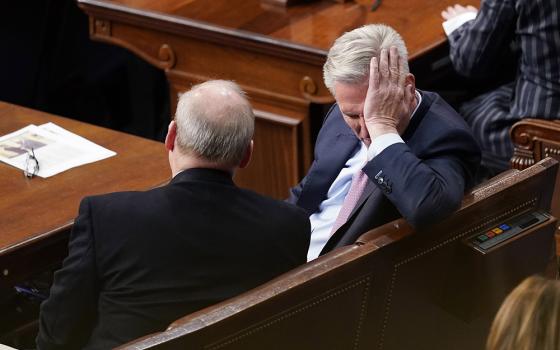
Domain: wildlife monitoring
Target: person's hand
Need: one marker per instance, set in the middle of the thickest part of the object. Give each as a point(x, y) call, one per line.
point(455, 10)
point(388, 101)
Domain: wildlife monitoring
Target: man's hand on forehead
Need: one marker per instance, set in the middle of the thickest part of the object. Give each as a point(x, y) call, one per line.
point(388, 101)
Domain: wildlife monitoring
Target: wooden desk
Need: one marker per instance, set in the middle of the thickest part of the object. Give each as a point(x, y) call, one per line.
point(275, 54)
point(36, 214)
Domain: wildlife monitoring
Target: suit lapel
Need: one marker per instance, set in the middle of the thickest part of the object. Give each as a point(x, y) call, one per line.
point(326, 170)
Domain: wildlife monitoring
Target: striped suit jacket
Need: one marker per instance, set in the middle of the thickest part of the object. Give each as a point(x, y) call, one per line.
point(534, 27)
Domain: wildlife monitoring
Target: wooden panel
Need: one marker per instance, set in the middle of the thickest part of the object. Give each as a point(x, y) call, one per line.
point(276, 140)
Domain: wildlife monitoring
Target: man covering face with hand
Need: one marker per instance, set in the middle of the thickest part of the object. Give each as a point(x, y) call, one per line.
point(386, 150)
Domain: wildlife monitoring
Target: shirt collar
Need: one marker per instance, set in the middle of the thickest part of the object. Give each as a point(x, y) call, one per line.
point(418, 102)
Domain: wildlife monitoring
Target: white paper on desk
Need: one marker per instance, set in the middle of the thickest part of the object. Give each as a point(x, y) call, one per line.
point(55, 148)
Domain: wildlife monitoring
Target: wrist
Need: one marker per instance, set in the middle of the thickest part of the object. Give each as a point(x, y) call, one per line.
point(378, 129)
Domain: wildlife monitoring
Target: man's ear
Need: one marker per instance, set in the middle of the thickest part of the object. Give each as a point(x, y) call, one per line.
point(410, 80)
point(247, 157)
point(170, 137)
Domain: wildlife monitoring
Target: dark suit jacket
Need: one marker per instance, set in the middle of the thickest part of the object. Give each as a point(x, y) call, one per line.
point(422, 180)
point(139, 260)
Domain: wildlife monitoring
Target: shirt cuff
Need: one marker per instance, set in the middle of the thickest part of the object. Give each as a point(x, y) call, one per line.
point(452, 24)
point(381, 142)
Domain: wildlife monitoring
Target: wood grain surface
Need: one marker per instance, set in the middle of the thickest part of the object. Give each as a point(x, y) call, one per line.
point(33, 209)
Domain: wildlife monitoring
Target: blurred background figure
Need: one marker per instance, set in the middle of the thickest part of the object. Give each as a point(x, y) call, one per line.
point(482, 43)
point(529, 318)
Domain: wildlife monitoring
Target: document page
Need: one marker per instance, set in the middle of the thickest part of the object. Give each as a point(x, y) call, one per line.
point(54, 148)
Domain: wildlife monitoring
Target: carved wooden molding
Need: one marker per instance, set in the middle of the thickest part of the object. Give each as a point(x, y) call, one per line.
point(308, 89)
point(524, 145)
point(167, 58)
point(284, 3)
point(551, 151)
point(522, 158)
point(102, 27)
point(285, 101)
point(277, 119)
point(198, 30)
point(528, 136)
point(100, 30)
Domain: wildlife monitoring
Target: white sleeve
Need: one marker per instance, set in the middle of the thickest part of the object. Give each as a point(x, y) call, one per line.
point(452, 24)
point(381, 142)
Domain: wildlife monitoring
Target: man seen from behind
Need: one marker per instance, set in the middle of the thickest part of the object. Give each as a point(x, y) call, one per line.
point(140, 260)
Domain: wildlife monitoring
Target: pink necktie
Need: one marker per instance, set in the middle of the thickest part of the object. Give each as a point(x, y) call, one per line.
point(359, 181)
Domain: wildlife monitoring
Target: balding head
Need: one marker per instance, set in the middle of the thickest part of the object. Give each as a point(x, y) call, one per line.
point(215, 123)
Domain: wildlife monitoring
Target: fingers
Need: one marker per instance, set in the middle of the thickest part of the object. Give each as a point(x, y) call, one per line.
point(394, 65)
point(384, 64)
point(455, 10)
point(402, 76)
point(459, 9)
point(388, 69)
point(451, 11)
point(387, 102)
point(374, 73)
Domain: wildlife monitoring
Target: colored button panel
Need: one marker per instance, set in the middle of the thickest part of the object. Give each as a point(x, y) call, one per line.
point(503, 232)
point(482, 238)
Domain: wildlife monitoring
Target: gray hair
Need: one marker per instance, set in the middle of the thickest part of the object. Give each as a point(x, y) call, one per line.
point(349, 57)
point(215, 122)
